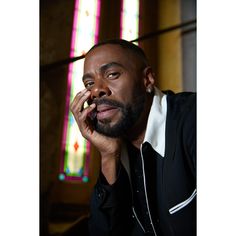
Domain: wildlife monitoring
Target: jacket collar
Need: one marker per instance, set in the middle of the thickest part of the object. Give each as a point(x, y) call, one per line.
point(155, 132)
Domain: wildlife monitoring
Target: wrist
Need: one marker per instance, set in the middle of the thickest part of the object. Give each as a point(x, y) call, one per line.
point(109, 168)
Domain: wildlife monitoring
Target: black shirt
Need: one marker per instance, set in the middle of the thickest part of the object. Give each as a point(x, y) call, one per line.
point(143, 174)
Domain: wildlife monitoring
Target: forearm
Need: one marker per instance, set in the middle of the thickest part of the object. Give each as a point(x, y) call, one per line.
point(109, 168)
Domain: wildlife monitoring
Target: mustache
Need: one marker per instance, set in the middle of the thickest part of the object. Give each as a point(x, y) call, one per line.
point(108, 102)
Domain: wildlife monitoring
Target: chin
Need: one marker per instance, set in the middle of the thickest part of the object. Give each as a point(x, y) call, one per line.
point(111, 130)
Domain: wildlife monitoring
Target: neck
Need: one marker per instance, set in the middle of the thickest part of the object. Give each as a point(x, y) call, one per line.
point(138, 140)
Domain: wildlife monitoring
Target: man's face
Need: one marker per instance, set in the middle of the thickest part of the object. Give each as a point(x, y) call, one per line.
point(115, 78)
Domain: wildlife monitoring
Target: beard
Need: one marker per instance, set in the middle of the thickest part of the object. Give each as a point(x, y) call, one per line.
point(129, 116)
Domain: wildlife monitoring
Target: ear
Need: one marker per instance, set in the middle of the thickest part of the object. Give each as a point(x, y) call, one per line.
point(149, 79)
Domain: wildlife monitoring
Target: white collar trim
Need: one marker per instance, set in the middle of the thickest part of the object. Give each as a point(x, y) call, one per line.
point(155, 131)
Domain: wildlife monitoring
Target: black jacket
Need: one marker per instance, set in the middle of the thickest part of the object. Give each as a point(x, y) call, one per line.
point(173, 180)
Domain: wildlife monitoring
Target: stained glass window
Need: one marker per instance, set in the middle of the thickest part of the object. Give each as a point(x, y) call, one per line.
point(129, 26)
point(75, 149)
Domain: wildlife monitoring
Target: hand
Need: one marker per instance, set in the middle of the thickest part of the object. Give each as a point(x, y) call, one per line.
point(104, 144)
point(109, 148)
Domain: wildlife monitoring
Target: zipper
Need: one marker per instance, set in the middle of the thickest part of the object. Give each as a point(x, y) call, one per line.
point(145, 190)
point(183, 204)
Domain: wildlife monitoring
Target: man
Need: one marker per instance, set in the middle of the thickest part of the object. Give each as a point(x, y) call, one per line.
point(147, 142)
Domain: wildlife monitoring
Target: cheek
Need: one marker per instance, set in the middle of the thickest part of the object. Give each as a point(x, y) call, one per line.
point(127, 89)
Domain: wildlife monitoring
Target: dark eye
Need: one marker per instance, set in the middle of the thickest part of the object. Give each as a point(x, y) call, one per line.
point(88, 84)
point(113, 75)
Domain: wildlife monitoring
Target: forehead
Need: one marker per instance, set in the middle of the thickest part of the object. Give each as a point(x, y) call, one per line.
point(108, 53)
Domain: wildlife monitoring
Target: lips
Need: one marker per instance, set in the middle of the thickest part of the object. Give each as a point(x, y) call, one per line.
point(105, 111)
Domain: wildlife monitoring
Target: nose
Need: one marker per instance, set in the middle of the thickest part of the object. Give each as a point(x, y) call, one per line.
point(100, 89)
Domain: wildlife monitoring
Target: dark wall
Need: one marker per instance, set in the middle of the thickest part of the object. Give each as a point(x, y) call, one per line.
point(109, 20)
point(188, 12)
point(56, 18)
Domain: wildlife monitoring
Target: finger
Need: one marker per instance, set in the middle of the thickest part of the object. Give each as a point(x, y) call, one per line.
point(79, 95)
point(84, 121)
point(78, 103)
point(77, 98)
point(84, 115)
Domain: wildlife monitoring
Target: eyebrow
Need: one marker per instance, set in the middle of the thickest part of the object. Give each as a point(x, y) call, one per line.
point(102, 69)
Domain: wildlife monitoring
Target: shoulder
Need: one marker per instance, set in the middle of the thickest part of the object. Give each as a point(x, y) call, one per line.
point(181, 124)
point(180, 104)
point(183, 98)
